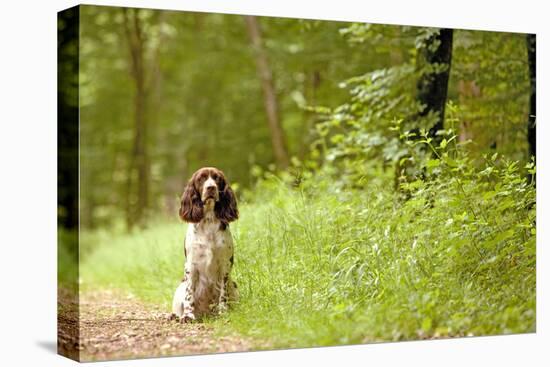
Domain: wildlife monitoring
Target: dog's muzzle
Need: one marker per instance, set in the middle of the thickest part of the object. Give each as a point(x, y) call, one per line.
point(210, 191)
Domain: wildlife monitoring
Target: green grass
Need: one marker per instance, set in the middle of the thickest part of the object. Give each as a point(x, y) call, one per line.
point(146, 263)
point(323, 265)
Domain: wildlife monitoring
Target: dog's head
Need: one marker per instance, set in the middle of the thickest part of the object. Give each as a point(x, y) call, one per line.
point(208, 186)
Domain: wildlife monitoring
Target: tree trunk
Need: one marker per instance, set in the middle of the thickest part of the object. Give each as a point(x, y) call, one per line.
point(431, 92)
point(270, 97)
point(432, 85)
point(311, 84)
point(531, 123)
point(467, 91)
point(139, 156)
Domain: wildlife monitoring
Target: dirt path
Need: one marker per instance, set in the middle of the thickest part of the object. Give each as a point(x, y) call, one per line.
point(120, 327)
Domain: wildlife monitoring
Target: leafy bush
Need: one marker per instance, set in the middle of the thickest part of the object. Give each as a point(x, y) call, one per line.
point(322, 265)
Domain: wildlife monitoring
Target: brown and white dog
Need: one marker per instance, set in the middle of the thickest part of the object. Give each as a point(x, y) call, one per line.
point(208, 204)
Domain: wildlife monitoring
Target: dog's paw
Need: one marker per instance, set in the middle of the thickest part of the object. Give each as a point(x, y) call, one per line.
point(172, 317)
point(222, 308)
point(187, 318)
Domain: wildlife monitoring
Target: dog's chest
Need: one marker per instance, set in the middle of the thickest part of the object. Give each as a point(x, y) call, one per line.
point(208, 248)
point(208, 235)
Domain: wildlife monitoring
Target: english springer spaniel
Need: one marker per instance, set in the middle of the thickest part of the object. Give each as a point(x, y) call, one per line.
point(208, 204)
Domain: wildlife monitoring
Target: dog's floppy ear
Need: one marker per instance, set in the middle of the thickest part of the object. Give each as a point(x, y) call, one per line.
point(191, 209)
point(226, 208)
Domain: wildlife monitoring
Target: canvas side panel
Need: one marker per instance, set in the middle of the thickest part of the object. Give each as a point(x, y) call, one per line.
point(68, 183)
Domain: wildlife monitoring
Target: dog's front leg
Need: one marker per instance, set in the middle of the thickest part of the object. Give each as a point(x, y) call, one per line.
point(183, 305)
point(222, 301)
point(189, 298)
point(177, 302)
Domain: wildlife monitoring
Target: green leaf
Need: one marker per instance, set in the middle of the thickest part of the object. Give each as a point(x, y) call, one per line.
point(427, 324)
point(489, 195)
point(432, 163)
point(338, 138)
point(504, 235)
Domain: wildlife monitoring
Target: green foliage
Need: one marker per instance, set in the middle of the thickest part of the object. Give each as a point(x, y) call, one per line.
point(205, 101)
point(457, 258)
point(354, 137)
point(205, 104)
point(489, 80)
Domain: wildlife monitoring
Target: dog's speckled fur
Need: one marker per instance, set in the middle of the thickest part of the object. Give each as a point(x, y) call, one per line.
point(208, 204)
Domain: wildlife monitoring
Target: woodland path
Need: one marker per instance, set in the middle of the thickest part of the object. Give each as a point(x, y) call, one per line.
point(121, 327)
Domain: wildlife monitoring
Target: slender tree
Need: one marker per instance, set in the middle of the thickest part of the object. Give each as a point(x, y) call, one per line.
point(531, 122)
point(434, 58)
point(139, 161)
point(270, 96)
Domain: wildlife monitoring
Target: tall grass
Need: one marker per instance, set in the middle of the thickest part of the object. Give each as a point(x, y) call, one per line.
point(323, 264)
